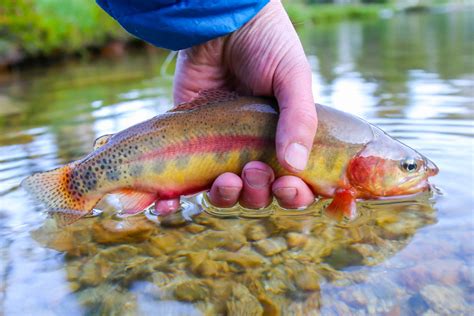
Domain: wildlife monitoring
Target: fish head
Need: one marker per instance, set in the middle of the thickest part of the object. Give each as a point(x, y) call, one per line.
point(387, 167)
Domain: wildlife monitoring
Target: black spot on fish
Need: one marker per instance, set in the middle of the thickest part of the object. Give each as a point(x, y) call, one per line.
point(113, 175)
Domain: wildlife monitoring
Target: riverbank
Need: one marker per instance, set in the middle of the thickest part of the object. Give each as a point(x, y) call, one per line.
point(52, 29)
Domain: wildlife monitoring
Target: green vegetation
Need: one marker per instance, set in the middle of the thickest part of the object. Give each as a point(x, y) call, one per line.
point(45, 27)
point(30, 28)
point(321, 13)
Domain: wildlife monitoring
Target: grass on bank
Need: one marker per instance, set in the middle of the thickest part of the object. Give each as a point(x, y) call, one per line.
point(31, 28)
point(324, 13)
point(48, 27)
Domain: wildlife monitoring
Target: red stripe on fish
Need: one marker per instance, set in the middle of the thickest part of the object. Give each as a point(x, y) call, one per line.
point(212, 144)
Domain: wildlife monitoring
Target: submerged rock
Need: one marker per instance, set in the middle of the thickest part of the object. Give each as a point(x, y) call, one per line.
point(195, 228)
point(270, 308)
point(192, 291)
point(271, 246)
point(212, 268)
point(256, 232)
point(124, 231)
point(173, 220)
point(218, 239)
point(243, 303)
point(445, 300)
point(241, 260)
point(167, 242)
point(296, 239)
point(307, 279)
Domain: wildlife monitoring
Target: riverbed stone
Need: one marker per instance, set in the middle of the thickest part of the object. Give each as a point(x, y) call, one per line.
point(256, 232)
point(195, 228)
point(271, 246)
point(445, 300)
point(307, 279)
point(192, 290)
point(110, 231)
point(239, 259)
point(173, 220)
point(296, 239)
point(167, 241)
point(242, 302)
point(212, 239)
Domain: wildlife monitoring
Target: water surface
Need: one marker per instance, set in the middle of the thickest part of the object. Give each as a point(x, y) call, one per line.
point(411, 75)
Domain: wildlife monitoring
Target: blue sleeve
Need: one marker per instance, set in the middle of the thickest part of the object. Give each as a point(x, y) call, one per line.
point(181, 24)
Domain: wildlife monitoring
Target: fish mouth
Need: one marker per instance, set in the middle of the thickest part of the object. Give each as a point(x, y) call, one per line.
point(431, 168)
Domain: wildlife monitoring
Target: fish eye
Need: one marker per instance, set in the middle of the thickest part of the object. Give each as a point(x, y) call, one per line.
point(409, 165)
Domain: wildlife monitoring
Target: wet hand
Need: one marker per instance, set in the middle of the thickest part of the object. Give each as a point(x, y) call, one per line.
point(263, 58)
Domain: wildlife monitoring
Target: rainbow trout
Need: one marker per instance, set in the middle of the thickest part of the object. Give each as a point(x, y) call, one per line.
point(182, 151)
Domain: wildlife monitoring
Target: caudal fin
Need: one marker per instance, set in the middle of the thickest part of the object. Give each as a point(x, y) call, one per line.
point(51, 188)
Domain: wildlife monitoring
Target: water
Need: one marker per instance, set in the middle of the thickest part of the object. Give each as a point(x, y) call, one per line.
point(411, 75)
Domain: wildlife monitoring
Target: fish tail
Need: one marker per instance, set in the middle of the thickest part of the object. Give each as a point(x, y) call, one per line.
point(53, 190)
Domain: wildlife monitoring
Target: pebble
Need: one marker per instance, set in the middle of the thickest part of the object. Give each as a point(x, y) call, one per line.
point(166, 242)
point(173, 220)
point(271, 246)
point(296, 240)
point(241, 260)
point(195, 228)
point(270, 308)
point(243, 303)
point(211, 268)
point(307, 280)
point(192, 290)
point(125, 231)
point(256, 232)
point(444, 300)
point(218, 239)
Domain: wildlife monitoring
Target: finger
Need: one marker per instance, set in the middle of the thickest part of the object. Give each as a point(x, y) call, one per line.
point(292, 192)
point(166, 207)
point(225, 190)
point(199, 68)
point(257, 179)
point(298, 120)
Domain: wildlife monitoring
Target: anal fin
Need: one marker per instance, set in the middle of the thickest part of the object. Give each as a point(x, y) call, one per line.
point(134, 202)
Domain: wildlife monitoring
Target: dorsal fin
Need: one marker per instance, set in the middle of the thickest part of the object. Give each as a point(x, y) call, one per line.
point(206, 97)
point(101, 140)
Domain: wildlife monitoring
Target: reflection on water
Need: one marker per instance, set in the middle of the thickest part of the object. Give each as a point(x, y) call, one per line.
point(411, 75)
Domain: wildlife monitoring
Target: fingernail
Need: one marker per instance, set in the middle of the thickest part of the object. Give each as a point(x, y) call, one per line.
point(296, 156)
point(228, 193)
point(286, 194)
point(257, 178)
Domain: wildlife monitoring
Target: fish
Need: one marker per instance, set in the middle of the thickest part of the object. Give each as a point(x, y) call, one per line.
point(182, 151)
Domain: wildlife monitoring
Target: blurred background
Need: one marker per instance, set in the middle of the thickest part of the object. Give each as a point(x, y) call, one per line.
point(53, 29)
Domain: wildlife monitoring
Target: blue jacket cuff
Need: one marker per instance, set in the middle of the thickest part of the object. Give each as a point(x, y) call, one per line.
point(181, 24)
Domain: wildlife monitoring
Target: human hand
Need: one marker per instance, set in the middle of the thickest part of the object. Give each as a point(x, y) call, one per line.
point(263, 58)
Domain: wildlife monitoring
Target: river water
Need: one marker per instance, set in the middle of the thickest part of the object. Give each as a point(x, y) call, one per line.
point(412, 75)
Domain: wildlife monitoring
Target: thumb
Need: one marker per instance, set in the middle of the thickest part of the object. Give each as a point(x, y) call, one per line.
point(298, 120)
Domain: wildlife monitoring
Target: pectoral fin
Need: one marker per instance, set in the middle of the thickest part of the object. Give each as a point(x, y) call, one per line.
point(343, 205)
point(134, 202)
